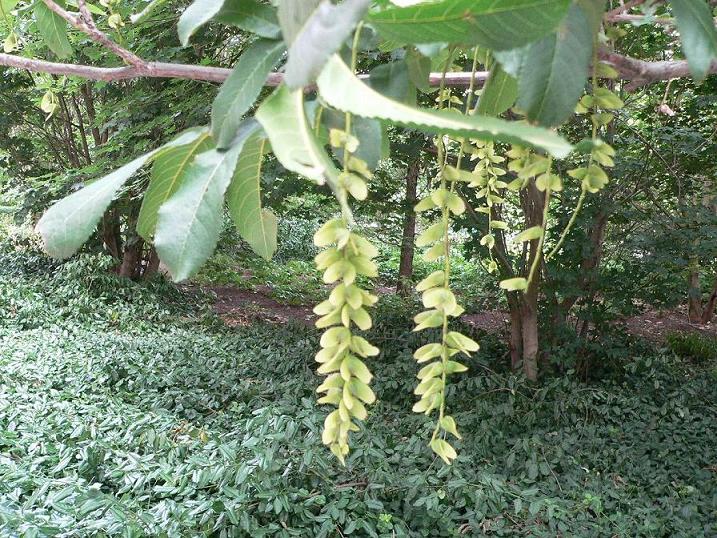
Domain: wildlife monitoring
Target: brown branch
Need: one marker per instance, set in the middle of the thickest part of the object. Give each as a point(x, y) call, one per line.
point(86, 24)
point(179, 71)
point(642, 73)
point(638, 72)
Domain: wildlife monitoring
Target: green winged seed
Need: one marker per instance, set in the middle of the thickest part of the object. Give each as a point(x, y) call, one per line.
point(428, 352)
point(428, 319)
point(530, 234)
point(431, 281)
point(448, 423)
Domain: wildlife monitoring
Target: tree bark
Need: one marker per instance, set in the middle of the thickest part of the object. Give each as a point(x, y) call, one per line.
point(111, 236)
point(709, 309)
point(87, 97)
point(516, 332)
point(131, 258)
point(405, 267)
point(532, 202)
point(152, 264)
point(81, 127)
point(694, 293)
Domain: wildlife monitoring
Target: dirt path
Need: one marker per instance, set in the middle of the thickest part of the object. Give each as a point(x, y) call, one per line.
point(238, 306)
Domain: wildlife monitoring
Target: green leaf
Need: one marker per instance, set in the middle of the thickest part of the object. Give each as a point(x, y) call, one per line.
point(257, 227)
point(419, 69)
point(498, 24)
point(70, 222)
point(292, 139)
point(341, 89)
point(553, 70)
point(393, 80)
point(189, 223)
point(241, 89)
point(196, 15)
point(147, 11)
point(53, 29)
point(252, 16)
point(697, 33)
point(6, 6)
point(168, 173)
point(368, 132)
point(314, 38)
point(499, 93)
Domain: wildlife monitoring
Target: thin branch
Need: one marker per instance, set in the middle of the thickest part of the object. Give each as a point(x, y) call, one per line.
point(623, 8)
point(86, 24)
point(179, 71)
point(638, 72)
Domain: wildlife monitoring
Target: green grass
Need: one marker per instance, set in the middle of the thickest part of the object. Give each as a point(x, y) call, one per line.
point(127, 410)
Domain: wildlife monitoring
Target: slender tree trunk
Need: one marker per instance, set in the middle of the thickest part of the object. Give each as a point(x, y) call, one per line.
point(529, 330)
point(111, 236)
point(69, 134)
point(132, 258)
point(81, 126)
point(709, 309)
point(516, 332)
point(405, 267)
point(152, 264)
point(532, 202)
point(694, 292)
point(87, 97)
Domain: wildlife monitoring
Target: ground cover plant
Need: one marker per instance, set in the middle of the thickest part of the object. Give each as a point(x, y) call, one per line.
point(114, 426)
point(242, 240)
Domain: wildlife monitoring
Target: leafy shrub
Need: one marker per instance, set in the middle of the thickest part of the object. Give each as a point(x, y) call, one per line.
point(694, 346)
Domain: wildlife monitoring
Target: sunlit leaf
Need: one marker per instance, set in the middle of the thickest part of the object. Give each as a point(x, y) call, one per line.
point(189, 223)
point(257, 226)
point(343, 90)
point(315, 34)
point(698, 34)
point(498, 24)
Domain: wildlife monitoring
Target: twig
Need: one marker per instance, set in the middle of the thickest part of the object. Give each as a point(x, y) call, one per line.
point(623, 8)
point(86, 24)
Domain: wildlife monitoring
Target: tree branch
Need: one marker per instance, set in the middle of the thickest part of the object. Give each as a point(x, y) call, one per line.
point(642, 73)
point(85, 23)
point(180, 71)
point(638, 72)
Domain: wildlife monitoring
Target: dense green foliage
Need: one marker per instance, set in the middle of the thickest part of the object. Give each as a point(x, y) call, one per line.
point(126, 409)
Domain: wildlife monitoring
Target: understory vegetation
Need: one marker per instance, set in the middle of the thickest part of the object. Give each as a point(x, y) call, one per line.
point(367, 268)
point(129, 409)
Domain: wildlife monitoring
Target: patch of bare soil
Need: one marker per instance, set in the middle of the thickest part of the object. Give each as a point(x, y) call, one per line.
point(657, 324)
point(238, 306)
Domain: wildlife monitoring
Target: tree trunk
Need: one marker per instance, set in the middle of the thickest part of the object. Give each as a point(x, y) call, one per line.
point(81, 127)
point(111, 236)
point(152, 264)
point(694, 293)
point(86, 90)
point(516, 332)
point(529, 330)
point(405, 267)
point(709, 309)
point(132, 258)
point(532, 202)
